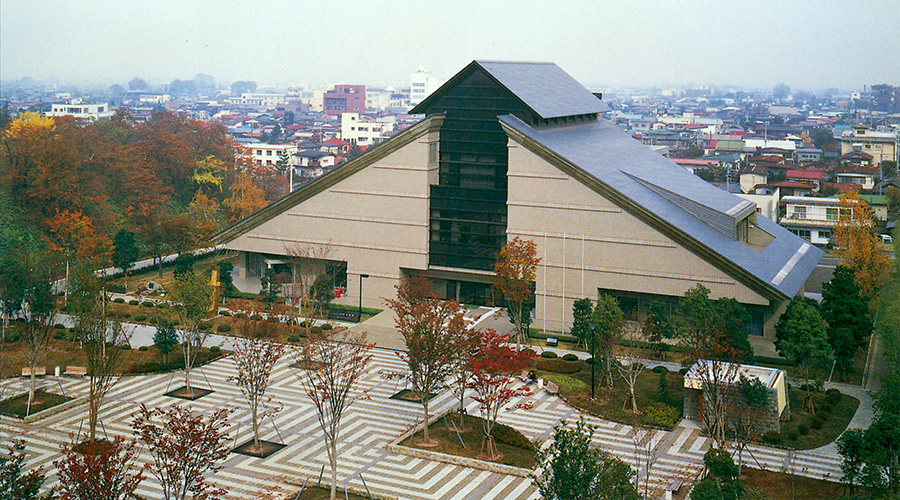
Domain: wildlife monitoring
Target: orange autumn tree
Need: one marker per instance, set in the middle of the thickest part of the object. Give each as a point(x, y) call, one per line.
point(74, 236)
point(857, 247)
point(245, 199)
point(516, 268)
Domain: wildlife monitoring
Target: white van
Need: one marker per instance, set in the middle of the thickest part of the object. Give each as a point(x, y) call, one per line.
point(885, 238)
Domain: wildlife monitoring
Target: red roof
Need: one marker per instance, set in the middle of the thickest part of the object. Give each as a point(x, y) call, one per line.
point(793, 184)
point(804, 174)
point(844, 187)
point(712, 144)
point(856, 169)
point(337, 142)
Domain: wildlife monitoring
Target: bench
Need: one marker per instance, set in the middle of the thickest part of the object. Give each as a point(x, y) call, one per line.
point(524, 376)
point(551, 387)
point(39, 371)
point(75, 371)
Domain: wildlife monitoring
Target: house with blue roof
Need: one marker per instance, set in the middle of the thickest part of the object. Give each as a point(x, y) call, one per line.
point(512, 149)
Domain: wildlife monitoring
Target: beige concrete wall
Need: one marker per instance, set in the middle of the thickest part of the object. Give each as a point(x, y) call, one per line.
point(586, 242)
point(376, 220)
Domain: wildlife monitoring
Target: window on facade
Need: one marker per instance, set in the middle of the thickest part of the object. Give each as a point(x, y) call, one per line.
point(799, 212)
point(825, 235)
point(831, 213)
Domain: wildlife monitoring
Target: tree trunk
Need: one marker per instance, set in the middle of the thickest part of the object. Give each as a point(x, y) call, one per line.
point(93, 406)
point(634, 407)
point(333, 460)
point(31, 388)
point(424, 399)
point(255, 428)
point(187, 369)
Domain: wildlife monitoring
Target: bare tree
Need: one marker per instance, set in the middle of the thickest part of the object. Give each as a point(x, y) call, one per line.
point(716, 380)
point(644, 455)
point(185, 448)
point(39, 311)
point(432, 329)
point(193, 296)
point(630, 367)
point(331, 386)
point(310, 267)
point(102, 340)
point(254, 360)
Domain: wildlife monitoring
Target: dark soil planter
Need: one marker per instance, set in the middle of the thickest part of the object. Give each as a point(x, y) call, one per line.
point(249, 448)
point(182, 393)
point(17, 406)
point(410, 396)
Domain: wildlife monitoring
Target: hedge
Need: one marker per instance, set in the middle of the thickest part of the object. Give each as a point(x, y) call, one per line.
point(765, 360)
point(557, 365)
point(132, 302)
point(343, 307)
point(566, 382)
point(570, 357)
point(549, 355)
point(119, 300)
point(661, 415)
point(558, 336)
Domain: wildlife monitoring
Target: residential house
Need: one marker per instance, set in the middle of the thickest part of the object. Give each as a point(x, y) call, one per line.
point(880, 143)
point(863, 177)
point(364, 130)
point(81, 110)
point(811, 218)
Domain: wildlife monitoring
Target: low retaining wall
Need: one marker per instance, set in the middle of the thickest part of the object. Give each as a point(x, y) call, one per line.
point(34, 417)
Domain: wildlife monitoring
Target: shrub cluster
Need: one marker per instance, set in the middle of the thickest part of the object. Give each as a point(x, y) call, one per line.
point(119, 300)
point(327, 326)
point(223, 328)
point(833, 396)
point(771, 437)
point(549, 355)
point(558, 365)
point(566, 382)
point(293, 338)
point(659, 369)
point(204, 326)
point(149, 303)
point(140, 317)
point(132, 302)
point(661, 415)
point(570, 357)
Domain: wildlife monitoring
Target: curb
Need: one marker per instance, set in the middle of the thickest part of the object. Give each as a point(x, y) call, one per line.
point(55, 409)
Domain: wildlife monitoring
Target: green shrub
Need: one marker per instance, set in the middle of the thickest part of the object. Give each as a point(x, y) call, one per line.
point(771, 437)
point(826, 408)
point(60, 336)
point(315, 330)
point(225, 313)
point(570, 357)
point(223, 328)
point(817, 423)
point(215, 349)
point(59, 326)
point(203, 326)
point(589, 361)
point(126, 315)
point(792, 435)
point(119, 300)
point(143, 348)
point(302, 324)
point(133, 302)
point(12, 337)
point(661, 415)
point(294, 338)
point(140, 317)
point(125, 347)
point(149, 303)
point(566, 382)
point(240, 315)
point(803, 429)
point(684, 371)
point(660, 369)
point(558, 365)
point(327, 326)
point(162, 305)
point(256, 317)
point(549, 355)
point(833, 396)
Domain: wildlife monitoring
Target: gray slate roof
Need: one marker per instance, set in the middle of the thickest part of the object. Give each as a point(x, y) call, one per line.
point(660, 186)
point(545, 88)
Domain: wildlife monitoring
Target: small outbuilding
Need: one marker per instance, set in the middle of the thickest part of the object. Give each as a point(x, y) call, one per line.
point(775, 380)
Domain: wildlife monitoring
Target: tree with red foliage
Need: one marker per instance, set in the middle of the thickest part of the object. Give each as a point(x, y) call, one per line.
point(515, 269)
point(493, 368)
point(432, 329)
point(185, 448)
point(101, 469)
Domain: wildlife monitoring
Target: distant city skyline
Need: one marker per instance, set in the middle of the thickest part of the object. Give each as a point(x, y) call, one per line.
point(749, 45)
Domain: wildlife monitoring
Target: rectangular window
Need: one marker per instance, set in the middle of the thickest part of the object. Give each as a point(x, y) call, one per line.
point(268, 152)
point(831, 213)
point(799, 212)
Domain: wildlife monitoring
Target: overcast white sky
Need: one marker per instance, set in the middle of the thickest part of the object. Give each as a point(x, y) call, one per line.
point(758, 43)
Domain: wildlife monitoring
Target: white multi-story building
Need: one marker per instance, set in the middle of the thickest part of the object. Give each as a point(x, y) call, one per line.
point(269, 154)
point(811, 218)
point(421, 84)
point(880, 143)
point(364, 131)
point(268, 101)
point(81, 110)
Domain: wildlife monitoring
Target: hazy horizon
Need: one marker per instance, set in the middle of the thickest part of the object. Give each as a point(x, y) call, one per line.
point(638, 44)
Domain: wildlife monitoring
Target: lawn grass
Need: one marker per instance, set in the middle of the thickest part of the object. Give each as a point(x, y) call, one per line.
point(18, 406)
point(64, 353)
point(514, 448)
point(615, 404)
point(834, 423)
point(790, 487)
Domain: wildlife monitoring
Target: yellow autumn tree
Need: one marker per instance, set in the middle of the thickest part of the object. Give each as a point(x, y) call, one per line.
point(245, 199)
point(29, 124)
point(209, 171)
point(857, 246)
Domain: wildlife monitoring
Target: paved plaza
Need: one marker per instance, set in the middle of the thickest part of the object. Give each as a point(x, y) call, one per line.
point(368, 428)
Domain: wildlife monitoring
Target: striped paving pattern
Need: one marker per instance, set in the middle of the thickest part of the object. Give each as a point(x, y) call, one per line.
point(367, 427)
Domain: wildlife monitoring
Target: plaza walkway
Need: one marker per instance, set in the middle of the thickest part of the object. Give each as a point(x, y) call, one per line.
point(368, 428)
